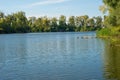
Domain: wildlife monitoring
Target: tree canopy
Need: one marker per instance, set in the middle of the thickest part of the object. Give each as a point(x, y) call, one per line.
point(113, 6)
point(19, 23)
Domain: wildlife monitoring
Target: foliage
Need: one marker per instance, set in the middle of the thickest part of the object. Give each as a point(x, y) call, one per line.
point(113, 7)
point(19, 23)
point(111, 31)
point(112, 20)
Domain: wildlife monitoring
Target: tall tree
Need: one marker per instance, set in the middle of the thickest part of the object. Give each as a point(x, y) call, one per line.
point(71, 23)
point(46, 24)
point(21, 22)
point(31, 23)
point(38, 25)
point(90, 24)
point(98, 22)
point(113, 18)
point(78, 23)
point(62, 23)
point(54, 25)
point(84, 22)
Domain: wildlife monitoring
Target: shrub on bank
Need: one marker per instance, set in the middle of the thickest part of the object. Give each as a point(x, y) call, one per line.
point(109, 32)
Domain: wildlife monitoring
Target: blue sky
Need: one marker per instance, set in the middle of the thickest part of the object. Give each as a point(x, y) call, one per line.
point(52, 8)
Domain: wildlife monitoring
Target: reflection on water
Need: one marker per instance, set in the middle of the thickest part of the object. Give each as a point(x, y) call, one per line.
point(112, 62)
point(51, 56)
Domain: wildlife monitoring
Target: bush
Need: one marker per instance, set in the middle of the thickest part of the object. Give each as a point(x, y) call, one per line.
point(111, 31)
point(104, 32)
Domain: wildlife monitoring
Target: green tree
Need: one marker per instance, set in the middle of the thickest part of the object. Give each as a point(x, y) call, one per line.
point(46, 24)
point(21, 22)
point(31, 23)
point(78, 23)
point(90, 24)
point(62, 24)
point(112, 3)
point(38, 25)
point(71, 24)
point(2, 22)
point(84, 22)
point(113, 18)
point(54, 25)
point(98, 23)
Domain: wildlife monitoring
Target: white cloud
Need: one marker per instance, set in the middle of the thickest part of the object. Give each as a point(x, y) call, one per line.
point(46, 2)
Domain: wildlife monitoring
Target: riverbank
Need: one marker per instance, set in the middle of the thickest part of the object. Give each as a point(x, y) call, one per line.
point(111, 33)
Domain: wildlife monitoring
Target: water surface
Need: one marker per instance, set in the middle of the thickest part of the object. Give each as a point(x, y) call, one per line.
point(54, 56)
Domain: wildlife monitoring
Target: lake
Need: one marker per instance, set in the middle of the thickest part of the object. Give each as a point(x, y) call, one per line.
point(57, 56)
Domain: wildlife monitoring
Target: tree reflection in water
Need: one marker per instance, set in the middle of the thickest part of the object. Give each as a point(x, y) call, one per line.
point(112, 62)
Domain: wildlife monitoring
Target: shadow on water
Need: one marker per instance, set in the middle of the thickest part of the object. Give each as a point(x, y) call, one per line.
point(112, 61)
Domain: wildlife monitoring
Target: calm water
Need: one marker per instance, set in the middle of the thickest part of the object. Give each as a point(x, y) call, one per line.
point(57, 56)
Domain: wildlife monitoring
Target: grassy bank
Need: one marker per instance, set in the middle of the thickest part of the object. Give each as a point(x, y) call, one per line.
point(111, 33)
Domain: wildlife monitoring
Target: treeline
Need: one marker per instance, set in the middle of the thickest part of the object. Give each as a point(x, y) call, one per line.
point(19, 23)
